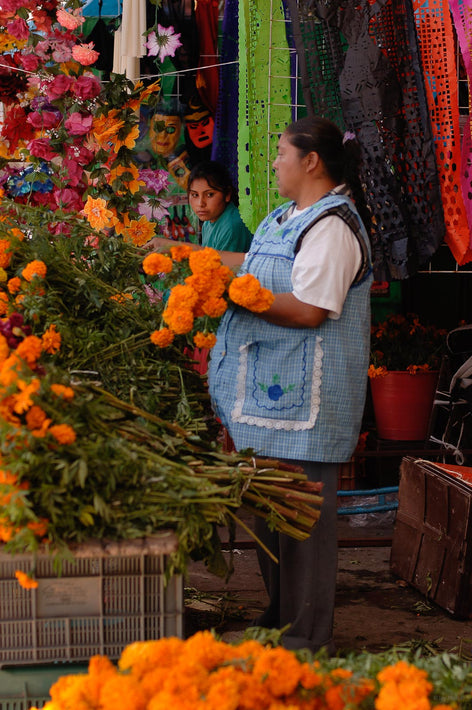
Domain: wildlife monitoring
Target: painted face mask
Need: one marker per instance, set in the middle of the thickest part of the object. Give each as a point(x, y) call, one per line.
point(200, 131)
point(164, 141)
point(179, 168)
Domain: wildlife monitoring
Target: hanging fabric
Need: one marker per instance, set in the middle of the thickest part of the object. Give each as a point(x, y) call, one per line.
point(206, 17)
point(462, 16)
point(129, 40)
point(225, 135)
point(368, 57)
point(264, 104)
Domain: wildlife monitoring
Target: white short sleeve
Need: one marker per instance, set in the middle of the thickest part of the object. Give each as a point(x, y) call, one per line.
point(326, 265)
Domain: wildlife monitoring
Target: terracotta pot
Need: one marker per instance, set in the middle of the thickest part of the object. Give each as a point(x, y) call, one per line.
point(403, 404)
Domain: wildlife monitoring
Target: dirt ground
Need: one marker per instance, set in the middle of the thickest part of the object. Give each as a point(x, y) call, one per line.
point(374, 609)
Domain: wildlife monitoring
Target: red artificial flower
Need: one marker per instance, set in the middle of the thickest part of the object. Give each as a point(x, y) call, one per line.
point(86, 87)
point(18, 28)
point(16, 127)
point(29, 62)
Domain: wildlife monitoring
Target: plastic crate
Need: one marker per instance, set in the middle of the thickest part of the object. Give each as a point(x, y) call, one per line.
point(23, 688)
point(108, 596)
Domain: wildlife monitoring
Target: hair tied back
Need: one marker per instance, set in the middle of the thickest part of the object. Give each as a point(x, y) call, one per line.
point(349, 136)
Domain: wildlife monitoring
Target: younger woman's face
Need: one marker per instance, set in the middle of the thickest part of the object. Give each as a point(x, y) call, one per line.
point(207, 203)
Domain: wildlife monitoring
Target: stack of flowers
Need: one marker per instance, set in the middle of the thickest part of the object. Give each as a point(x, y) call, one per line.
point(200, 287)
point(204, 673)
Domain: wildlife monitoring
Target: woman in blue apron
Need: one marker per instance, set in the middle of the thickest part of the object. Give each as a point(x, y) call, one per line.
point(290, 383)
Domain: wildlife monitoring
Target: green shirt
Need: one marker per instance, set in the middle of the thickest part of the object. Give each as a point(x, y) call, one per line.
point(228, 232)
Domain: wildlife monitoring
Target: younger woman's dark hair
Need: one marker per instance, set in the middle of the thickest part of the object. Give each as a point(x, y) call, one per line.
point(216, 175)
point(340, 154)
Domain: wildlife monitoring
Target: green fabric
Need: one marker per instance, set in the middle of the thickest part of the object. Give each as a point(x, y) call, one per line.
point(228, 233)
point(264, 104)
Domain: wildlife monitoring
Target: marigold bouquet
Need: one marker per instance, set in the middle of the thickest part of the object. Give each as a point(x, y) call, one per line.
point(403, 343)
point(199, 290)
point(206, 673)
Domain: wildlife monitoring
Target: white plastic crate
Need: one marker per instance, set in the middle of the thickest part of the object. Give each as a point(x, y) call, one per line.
point(107, 597)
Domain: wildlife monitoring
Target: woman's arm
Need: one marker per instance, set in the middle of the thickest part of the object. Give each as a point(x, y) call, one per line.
point(287, 310)
point(228, 258)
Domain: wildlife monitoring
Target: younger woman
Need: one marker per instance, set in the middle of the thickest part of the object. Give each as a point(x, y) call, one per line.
point(213, 199)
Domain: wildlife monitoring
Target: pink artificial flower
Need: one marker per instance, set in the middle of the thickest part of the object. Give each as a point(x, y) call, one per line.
point(42, 48)
point(58, 86)
point(77, 124)
point(29, 62)
point(70, 20)
point(11, 6)
point(74, 172)
point(18, 28)
point(86, 87)
point(85, 54)
point(44, 119)
point(41, 148)
point(61, 52)
point(164, 43)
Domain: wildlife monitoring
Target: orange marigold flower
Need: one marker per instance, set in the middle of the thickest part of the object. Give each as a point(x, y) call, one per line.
point(246, 291)
point(181, 252)
point(162, 338)
point(280, 670)
point(30, 349)
point(17, 234)
point(35, 417)
point(140, 231)
point(23, 399)
point(38, 527)
point(179, 319)
point(121, 297)
point(204, 259)
point(204, 340)
point(63, 433)
point(206, 283)
point(156, 263)
point(34, 268)
point(214, 307)
point(5, 253)
point(10, 369)
point(14, 285)
point(63, 391)
point(51, 340)
point(182, 296)
point(3, 303)
point(25, 580)
point(377, 371)
point(4, 348)
point(97, 213)
point(225, 274)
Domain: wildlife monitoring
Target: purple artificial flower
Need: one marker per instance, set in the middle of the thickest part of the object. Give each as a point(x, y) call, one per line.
point(156, 180)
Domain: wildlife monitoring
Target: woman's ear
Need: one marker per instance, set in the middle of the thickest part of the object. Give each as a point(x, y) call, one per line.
point(312, 160)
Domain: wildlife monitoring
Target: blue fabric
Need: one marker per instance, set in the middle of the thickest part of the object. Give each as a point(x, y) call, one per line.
point(228, 232)
point(292, 392)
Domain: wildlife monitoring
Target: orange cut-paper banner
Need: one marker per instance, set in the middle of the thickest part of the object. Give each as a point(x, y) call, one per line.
point(436, 41)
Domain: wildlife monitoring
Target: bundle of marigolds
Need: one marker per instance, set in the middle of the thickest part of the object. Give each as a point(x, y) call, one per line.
point(203, 673)
point(200, 289)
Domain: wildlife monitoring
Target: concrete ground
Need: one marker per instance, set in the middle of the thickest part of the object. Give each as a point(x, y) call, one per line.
point(374, 609)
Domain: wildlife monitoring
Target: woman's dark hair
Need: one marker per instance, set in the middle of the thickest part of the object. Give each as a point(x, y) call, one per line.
point(216, 175)
point(340, 154)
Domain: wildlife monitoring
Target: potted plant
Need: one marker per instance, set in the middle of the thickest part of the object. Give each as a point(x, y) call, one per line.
point(405, 360)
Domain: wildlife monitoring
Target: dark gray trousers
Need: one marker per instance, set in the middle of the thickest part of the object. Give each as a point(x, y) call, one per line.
point(302, 586)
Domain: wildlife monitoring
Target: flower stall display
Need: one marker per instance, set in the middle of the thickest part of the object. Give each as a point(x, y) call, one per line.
point(103, 433)
point(404, 370)
point(204, 672)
